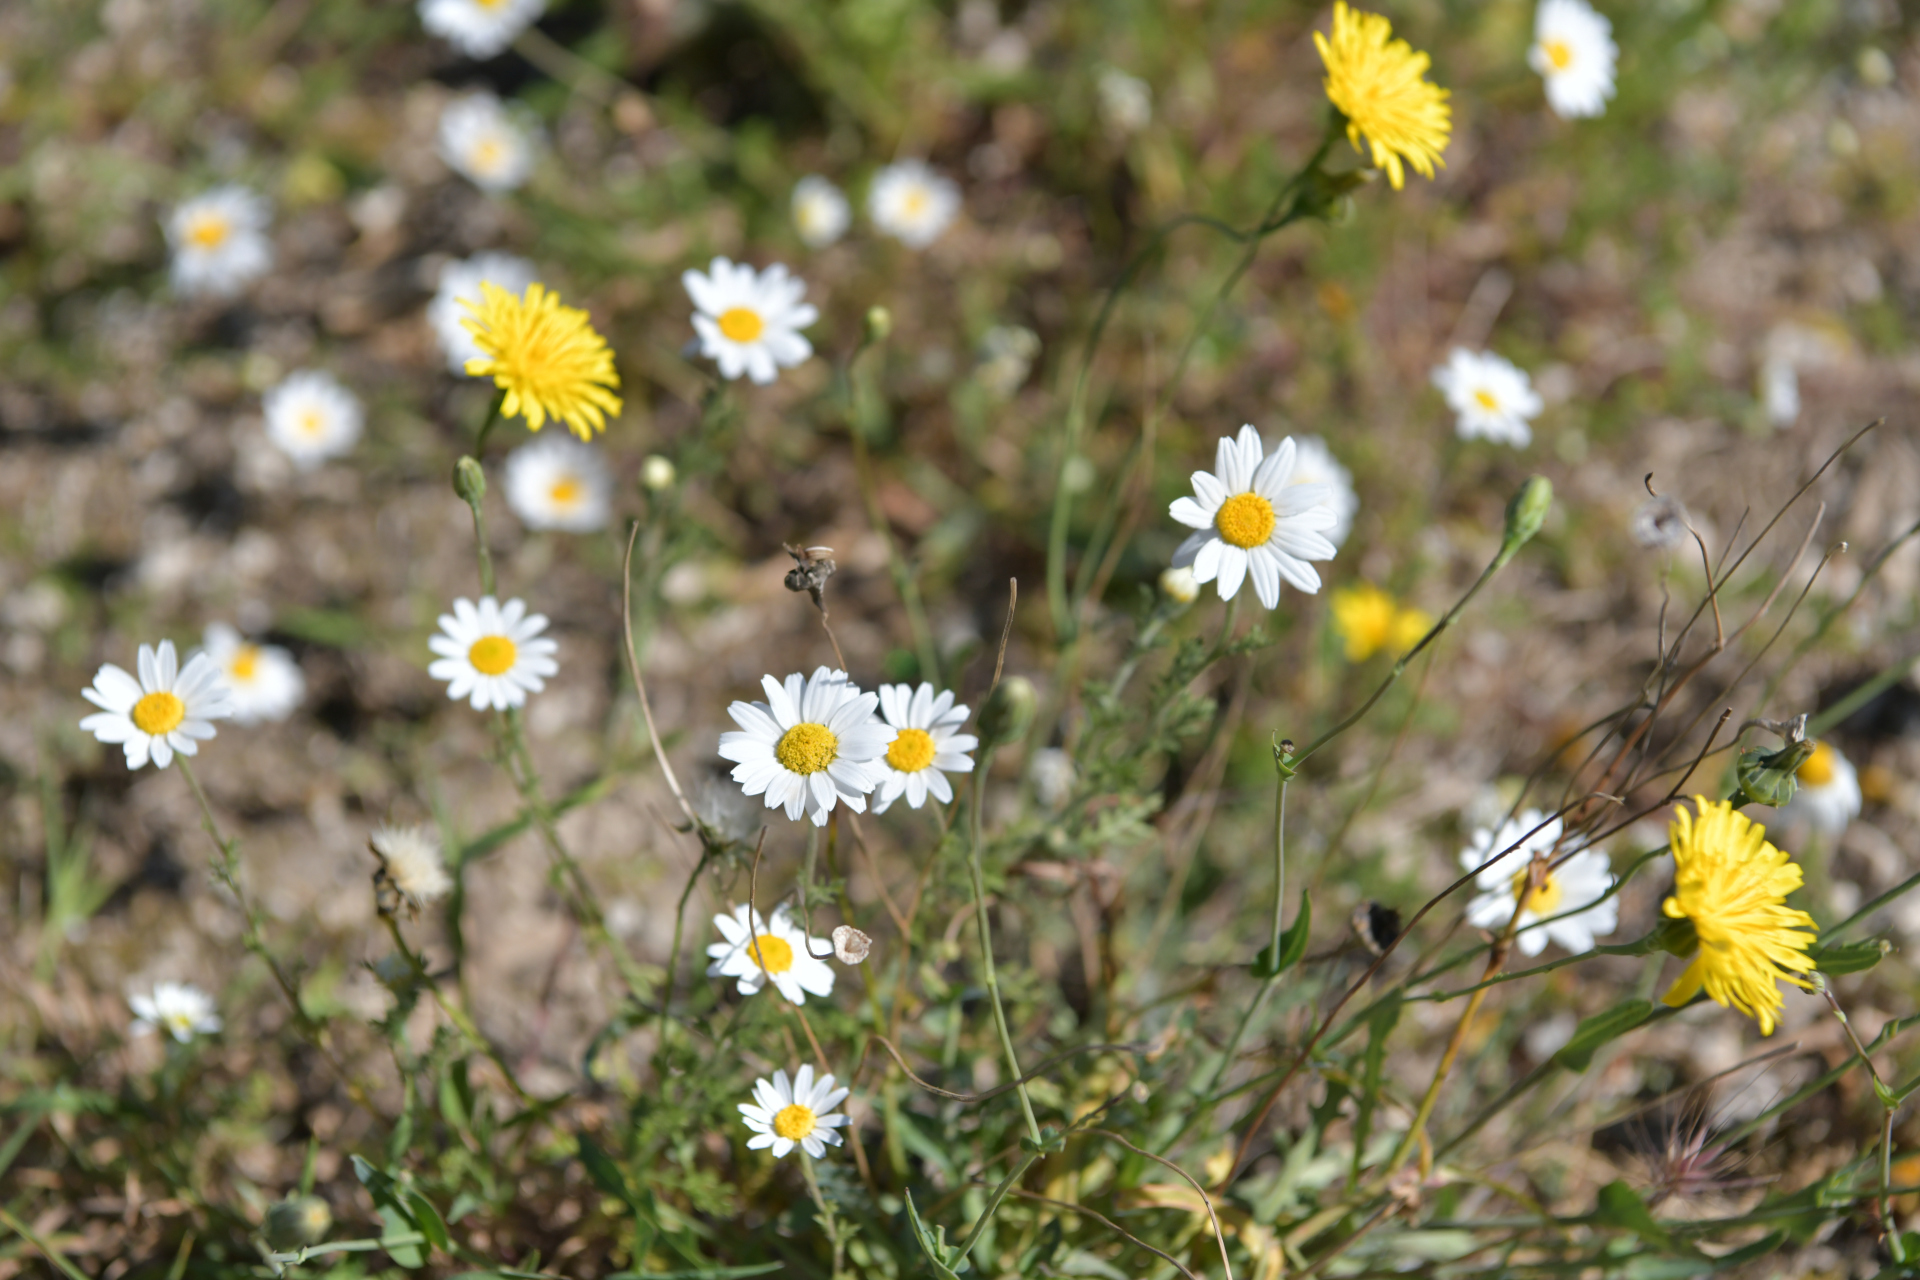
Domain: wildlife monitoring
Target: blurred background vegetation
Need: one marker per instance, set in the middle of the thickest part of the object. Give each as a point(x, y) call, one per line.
point(1750, 198)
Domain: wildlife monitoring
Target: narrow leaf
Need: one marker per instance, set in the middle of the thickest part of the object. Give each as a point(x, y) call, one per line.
point(1577, 1053)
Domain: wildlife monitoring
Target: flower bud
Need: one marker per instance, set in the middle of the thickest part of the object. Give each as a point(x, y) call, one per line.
point(1771, 777)
point(1525, 514)
point(1178, 585)
point(879, 324)
point(469, 481)
point(296, 1222)
point(1008, 713)
point(657, 473)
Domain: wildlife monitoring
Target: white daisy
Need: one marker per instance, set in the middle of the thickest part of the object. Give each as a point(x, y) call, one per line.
point(820, 212)
point(493, 652)
point(1254, 519)
point(1314, 463)
point(479, 28)
point(1492, 397)
point(780, 951)
point(181, 1010)
point(219, 242)
point(412, 871)
point(912, 203)
point(1577, 883)
point(783, 1115)
point(486, 143)
point(812, 744)
point(263, 681)
point(557, 482)
point(311, 416)
point(166, 710)
point(1573, 51)
point(1126, 102)
point(1780, 389)
point(925, 746)
point(749, 322)
point(460, 283)
point(1828, 795)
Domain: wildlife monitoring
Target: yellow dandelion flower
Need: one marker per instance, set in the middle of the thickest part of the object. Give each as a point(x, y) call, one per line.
point(1379, 85)
point(546, 357)
point(1733, 885)
point(1367, 620)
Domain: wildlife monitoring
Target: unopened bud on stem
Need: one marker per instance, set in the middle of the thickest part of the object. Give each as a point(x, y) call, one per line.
point(879, 324)
point(1525, 514)
point(469, 481)
point(1008, 713)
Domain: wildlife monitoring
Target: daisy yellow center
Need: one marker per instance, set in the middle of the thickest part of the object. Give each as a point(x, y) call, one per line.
point(1379, 84)
point(775, 955)
point(179, 1022)
point(492, 655)
point(1543, 901)
point(547, 358)
point(245, 663)
point(807, 748)
point(158, 713)
point(916, 202)
point(1818, 769)
point(911, 751)
point(487, 154)
point(1245, 520)
point(311, 422)
point(565, 492)
point(742, 324)
point(794, 1122)
point(1559, 54)
point(209, 231)
point(1485, 399)
point(489, 5)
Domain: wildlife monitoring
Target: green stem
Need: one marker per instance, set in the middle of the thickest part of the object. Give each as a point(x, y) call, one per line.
point(828, 1223)
point(1285, 209)
point(986, 945)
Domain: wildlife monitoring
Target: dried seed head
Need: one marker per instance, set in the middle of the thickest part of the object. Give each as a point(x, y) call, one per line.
point(850, 946)
point(1660, 523)
point(812, 566)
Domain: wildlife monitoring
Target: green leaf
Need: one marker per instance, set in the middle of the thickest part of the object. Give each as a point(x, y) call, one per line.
point(1758, 1249)
point(400, 1238)
point(1577, 1053)
point(946, 1262)
point(429, 1221)
point(1621, 1206)
point(605, 1173)
point(1647, 1266)
point(1850, 957)
point(1293, 944)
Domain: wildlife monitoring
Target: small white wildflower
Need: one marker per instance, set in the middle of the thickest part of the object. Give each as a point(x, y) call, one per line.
point(1574, 52)
point(1253, 519)
point(166, 710)
point(777, 951)
point(486, 143)
point(820, 211)
point(558, 482)
point(219, 242)
point(180, 1009)
point(657, 472)
point(1126, 102)
point(1052, 773)
point(479, 28)
point(912, 203)
point(1493, 398)
point(493, 652)
point(814, 743)
point(1780, 389)
point(749, 322)
point(799, 1113)
point(311, 416)
point(263, 681)
point(925, 746)
point(1579, 882)
point(1827, 796)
